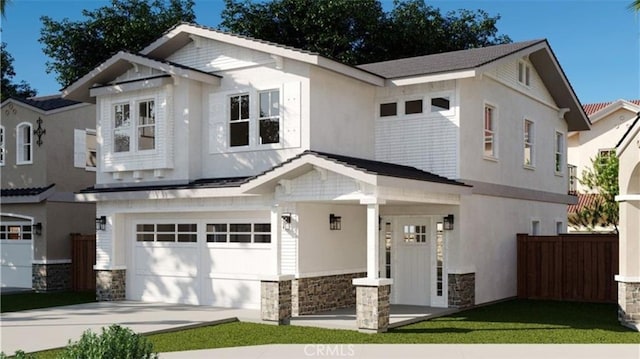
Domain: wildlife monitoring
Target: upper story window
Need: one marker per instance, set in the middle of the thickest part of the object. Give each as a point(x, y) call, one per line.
point(440, 104)
point(1, 145)
point(524, 73)
point(143, 121)
point(489, 132)
point(85, 149)
point(239, 120)
point(269, 120)
point(91, 149)
point(388, 109)
point(528, 143)
point(24, 146)
point(559, 152)
point(412, 107)
point(603, 152)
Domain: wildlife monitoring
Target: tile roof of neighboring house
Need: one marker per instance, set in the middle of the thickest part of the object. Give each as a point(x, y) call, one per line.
point(47, 103)
point(32, 191)
point(591, 108)
point(446, 61)
point(584, 200)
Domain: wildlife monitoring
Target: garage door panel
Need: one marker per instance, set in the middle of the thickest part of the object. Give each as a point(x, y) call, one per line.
point(231, 293)
point(167, 289)
point(236, 260)
point(16, 263)
point(169, 261)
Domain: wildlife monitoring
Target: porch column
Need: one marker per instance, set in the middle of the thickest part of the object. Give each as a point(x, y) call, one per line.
point(110, 268)
point(629, 268)
point(275, 290)
point(372, 292)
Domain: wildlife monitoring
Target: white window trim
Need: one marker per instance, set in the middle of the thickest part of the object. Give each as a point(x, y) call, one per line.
point(494, 122)
point(231, 245)
point(450, 112)
point(532, 144)
point(399, 108)
point(133, 128)
point(161, 243)
point(280, 142)
point(560, 222)
point(531, 226)
point(562, 152)
point(526, 68)
point(404, 101)
point(90, 131)
point(20, 161)
point(3, 153)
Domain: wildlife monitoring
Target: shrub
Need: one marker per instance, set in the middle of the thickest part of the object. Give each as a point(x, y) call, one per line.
point(114, 342)
point(18, 355)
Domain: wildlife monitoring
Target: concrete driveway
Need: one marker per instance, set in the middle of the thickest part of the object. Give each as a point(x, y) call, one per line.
point(48, 328)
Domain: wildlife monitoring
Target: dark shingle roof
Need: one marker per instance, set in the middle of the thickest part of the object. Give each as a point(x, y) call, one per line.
point(32, 191)
point(446, 61)
point(47, 103)
point(200, 183)
point(375, 167)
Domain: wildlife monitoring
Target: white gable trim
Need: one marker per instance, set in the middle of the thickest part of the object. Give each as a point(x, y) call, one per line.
point(629, 138)
point(266, 47)
point(433, 78)
point(613, 107)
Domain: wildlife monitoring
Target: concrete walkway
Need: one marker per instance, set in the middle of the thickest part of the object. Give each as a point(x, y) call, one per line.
point(40, 329)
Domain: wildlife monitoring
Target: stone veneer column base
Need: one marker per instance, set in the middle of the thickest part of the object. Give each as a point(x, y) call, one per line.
point(51, 277)
point(318, 294)
point(275, 301)
point(462, 290)
point(629, 305)
point(111, 285)
point(372, 308)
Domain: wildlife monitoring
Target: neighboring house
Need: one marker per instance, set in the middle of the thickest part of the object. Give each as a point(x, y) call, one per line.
point(236, 172)
point(628, 151)
point(610, 121)
point(47, 152)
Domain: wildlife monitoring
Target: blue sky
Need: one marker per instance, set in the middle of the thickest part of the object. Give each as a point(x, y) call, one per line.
point(596, 42)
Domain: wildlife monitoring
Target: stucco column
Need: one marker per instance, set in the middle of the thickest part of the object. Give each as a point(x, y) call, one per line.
point(629, 267)
point(373, 236)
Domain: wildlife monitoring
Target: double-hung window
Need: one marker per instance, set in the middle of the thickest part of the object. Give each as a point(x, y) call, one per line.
point(559, 150)
point(239, 120)
point(489, 132)
point(1, 145)
point(24, 146)
point(524, 73)
point(528, 143)
point(269, 120)
point(142, 121)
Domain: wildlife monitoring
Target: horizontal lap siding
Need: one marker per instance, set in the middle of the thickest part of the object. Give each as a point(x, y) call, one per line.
point(568, 267)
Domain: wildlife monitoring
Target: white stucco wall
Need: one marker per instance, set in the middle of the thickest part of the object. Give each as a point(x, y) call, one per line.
point(322, 251)
point(511, 109)
point(487, 245)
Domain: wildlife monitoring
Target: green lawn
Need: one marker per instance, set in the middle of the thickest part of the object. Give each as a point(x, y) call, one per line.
point(24, 301)
point(516, 321)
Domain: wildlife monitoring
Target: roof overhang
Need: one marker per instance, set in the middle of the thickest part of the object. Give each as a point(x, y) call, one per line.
point(120, 63)
point(633, 133)
point(432, 77)
point(613, 107)
point(35, 198)
point(182, 34)
point(41, 111)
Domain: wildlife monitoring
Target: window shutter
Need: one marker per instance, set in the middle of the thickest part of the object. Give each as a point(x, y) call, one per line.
point(217, 124)
point(291, 114)
point(79, 148)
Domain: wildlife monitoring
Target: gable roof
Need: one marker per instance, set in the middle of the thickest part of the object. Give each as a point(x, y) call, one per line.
point(120, 63)
point(44, 103)
point(592, 108)
point(446, 61)
point(628, 135)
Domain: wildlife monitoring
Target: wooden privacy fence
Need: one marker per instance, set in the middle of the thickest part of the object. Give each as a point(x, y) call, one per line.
point(575, 267)
point(83, 258)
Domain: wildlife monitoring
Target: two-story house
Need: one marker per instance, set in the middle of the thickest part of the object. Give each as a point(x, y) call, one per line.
point(236, 172)
point(610, 121)
point(47, 152)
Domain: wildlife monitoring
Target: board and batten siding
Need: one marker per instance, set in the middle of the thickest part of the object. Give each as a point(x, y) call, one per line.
point(210, 56)
point(428, 141)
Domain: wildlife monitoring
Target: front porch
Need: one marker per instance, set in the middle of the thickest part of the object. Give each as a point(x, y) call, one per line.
point(345, 318)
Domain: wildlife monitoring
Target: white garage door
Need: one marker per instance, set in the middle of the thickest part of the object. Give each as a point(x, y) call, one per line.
point(16, 248)
point(203, 262)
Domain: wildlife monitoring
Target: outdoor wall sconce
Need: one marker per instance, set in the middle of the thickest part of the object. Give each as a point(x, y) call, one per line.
point(37, 228)
point(101, 223)
point(286, 221)
point(335, 222)
point(448, 223)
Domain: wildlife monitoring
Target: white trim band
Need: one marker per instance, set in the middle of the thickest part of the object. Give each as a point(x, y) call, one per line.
point(51, 261)
point(372, 282)
point(101, 267)
point(625, 279)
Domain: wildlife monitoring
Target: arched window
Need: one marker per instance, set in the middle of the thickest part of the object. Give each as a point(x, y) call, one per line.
point(24, 145)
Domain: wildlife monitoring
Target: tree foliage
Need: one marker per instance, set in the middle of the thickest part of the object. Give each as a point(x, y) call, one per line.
point(601, 178)
point(9, 87)
point(360, 31)
point(76, 47)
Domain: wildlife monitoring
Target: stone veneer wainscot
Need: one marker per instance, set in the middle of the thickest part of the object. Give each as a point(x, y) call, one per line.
point(51, 277)
point(110, 285)
point(462, 290)
point(317, 294)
